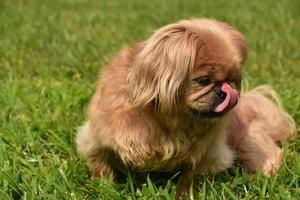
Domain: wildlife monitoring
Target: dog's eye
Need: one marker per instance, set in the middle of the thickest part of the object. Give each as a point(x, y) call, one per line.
point(204, 80)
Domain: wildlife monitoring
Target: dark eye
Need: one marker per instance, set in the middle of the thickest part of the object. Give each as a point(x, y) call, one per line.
point(204, 80)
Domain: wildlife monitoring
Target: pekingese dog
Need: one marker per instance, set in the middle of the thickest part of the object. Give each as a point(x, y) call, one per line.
point(173, 102)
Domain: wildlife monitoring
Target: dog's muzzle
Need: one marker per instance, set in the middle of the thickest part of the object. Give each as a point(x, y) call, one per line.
point(228, 97)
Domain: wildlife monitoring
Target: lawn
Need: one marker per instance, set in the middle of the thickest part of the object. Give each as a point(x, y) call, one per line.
point(50, 54)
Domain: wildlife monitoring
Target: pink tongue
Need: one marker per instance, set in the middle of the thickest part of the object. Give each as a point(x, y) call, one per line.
point(230, 100)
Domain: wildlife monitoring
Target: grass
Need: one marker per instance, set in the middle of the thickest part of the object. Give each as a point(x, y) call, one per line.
point(50, 53)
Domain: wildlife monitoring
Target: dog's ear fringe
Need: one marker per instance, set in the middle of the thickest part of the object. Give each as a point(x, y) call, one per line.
point(158, 75)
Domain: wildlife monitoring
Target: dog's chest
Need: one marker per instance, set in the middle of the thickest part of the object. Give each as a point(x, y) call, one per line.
point(184, 150)
point(170, 152)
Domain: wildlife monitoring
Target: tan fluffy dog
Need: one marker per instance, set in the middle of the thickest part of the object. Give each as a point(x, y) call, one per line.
point(173, 102)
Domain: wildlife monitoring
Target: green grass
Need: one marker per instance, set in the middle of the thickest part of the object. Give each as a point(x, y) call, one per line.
point(50, 53)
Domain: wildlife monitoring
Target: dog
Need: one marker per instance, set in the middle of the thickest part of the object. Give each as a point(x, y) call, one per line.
point(174, 102)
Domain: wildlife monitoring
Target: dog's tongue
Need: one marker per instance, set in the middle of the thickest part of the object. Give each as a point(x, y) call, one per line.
point(230, 100)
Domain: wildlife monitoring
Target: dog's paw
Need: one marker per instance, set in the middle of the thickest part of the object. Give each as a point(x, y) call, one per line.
point(182, 193)
point(272, 164)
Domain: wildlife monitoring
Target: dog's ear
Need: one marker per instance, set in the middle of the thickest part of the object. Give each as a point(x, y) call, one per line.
point(237, 38)
point(160, 72)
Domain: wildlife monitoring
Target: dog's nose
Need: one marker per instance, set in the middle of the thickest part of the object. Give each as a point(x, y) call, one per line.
point(219, 92)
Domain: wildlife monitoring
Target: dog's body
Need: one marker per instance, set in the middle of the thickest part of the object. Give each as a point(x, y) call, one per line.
point(149, 114)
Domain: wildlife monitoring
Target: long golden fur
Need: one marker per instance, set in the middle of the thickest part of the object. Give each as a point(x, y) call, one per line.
point(154, 111)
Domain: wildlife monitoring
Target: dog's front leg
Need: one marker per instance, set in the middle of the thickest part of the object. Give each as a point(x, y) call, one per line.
point(184, 184)
point(99, 164)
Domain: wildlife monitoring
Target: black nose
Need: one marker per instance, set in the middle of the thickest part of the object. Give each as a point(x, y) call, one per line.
point(219, 92)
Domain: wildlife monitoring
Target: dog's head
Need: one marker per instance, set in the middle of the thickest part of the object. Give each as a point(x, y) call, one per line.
point(192, 66)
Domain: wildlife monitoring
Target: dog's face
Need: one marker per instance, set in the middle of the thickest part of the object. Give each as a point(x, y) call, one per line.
point(191, 66)
point(215, 78)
